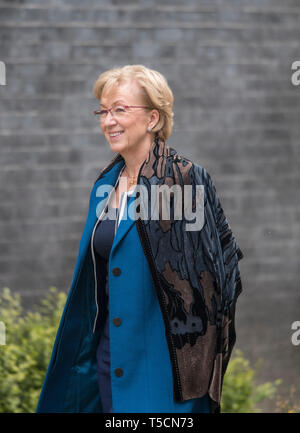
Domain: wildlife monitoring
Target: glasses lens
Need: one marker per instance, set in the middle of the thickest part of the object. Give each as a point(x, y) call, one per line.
point(116, 111)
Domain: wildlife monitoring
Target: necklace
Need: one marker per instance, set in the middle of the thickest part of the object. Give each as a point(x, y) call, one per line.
point(133, 179)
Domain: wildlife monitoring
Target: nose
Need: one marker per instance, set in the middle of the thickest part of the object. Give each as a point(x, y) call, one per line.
point(109, 119)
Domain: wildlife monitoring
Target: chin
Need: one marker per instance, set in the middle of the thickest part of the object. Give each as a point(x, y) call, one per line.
point(117, 147)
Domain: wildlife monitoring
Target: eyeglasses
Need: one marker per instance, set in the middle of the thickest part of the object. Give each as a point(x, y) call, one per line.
point(117, 111)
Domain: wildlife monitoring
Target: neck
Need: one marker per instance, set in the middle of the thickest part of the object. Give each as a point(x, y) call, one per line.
point(134, 160)
point(132, 171)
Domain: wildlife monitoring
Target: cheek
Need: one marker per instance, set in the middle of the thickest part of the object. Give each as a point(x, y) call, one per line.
point(136, 128)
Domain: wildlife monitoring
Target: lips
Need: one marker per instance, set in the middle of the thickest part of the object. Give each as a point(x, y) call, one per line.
point(115, 134)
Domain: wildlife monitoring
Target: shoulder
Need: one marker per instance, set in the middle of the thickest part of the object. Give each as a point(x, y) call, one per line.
point(190, 171)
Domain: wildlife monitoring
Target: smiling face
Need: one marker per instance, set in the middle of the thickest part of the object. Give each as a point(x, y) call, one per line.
point(133, 125)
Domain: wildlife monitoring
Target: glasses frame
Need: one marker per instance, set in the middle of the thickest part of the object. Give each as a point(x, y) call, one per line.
point(97, 112)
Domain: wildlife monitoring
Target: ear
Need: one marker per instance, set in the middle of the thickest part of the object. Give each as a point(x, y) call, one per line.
point(154, 117)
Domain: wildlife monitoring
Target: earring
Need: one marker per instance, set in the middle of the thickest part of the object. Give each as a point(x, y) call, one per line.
point(149, 129)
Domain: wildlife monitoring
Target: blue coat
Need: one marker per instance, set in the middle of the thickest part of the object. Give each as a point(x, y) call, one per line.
point(144, 374)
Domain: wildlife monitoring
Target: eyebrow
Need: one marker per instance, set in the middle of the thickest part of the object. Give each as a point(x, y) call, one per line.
point(119, 100)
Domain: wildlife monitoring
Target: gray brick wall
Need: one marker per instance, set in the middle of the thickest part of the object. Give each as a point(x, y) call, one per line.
point(236, 113)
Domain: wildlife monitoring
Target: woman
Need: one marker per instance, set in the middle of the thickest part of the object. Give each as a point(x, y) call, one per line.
point(148, 325)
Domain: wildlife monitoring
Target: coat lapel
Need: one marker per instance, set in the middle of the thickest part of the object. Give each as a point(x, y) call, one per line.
point(124, 226)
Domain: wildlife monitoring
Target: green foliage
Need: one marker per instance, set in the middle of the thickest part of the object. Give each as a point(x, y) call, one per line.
point(25, 356)
point(240, 393)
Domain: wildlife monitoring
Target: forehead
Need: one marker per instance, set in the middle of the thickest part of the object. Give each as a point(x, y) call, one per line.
point(126, 92)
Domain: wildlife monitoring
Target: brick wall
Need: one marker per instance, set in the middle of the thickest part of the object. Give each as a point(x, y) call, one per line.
point(236, 113)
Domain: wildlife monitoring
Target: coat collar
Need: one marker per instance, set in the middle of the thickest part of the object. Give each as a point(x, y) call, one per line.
point(162, 166)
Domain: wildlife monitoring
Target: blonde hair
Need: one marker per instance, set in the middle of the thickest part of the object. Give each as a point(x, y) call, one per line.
point(156, 92)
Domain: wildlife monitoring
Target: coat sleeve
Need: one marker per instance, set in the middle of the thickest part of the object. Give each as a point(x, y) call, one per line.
point(229, 254)
point(229, 248)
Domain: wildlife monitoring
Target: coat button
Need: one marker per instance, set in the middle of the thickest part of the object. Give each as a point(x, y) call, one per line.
point(117, 321)
point(119, 372)
point(116, 271)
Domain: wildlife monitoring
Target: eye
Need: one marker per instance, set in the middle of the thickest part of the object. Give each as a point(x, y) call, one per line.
point(103, 112)
point(120, 109)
